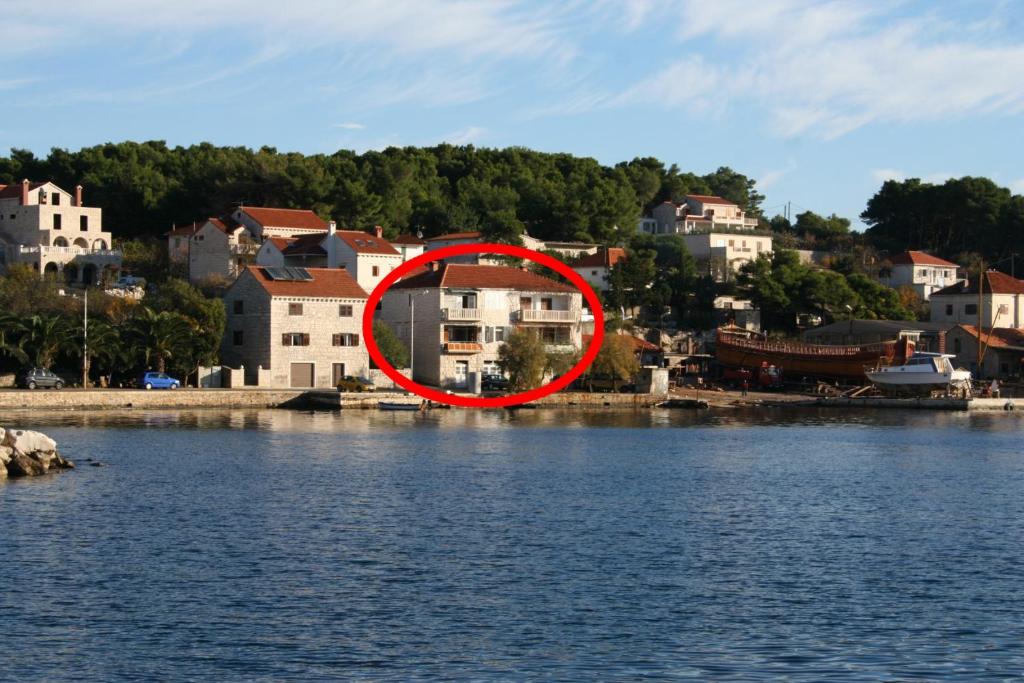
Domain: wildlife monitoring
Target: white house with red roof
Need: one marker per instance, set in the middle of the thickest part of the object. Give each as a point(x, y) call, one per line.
point(408, 246)
point(454, 317)
point(1001, 302)
point(306, 251)
point(52, 231)
point(696, 213)
point(595, 268)
point(264, 222)
point(921, 272)
point(367, 257)
point(295, 327)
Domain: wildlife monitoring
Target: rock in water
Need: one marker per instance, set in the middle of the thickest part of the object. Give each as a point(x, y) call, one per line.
point(22, 465)
point(28, 441)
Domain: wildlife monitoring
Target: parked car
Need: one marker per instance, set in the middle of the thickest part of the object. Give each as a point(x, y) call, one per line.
point(158, 380)
point(494, 383)
point(40, 378)
point(607, 383)
point(126, 281)
point(353, 383)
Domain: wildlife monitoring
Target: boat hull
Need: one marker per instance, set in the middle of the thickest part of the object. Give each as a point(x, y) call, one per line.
point(810, 360)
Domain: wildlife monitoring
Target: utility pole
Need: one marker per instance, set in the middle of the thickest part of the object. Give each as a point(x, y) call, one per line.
point(981, 352)
point(412, 332)
point(85, 339)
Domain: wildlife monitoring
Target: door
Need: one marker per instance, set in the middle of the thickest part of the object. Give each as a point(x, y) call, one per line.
point(337, 372)
point(461, 373)
point(302, 375)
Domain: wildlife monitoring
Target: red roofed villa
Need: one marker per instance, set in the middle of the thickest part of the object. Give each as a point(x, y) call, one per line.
point(922, 272)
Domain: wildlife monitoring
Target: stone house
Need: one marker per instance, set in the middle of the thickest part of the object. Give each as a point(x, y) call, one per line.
point(302, 252)
point(51, 230)
point(595, 268)
point(295, 327)
point(1003, 349)
point(263, 222)
point(454, 317)
point(218, 248)
point(921, 272)
point(1002, 302)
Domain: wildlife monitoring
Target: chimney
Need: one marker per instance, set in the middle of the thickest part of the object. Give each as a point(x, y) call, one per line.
point(24, 192)
point(434, 266)
point(332, 257)
point(78, 195)
point(378, 231)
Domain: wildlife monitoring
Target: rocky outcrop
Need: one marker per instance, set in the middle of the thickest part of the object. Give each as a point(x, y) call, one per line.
point(24, 453)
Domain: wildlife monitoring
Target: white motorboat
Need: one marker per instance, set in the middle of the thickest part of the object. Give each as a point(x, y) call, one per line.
point(921, 372)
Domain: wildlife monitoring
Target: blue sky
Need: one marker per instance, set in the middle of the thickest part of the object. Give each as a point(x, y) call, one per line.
point(819, 101)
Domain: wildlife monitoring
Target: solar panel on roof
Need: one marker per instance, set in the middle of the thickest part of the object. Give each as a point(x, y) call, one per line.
point(276, 273)
point(299, 274)
point(288, 274)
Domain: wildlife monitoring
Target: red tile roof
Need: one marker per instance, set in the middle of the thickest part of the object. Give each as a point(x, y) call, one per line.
point(189, 229)
point(455, 236)
point(998, 337)
point(710, 199)
point(459, 275)
point(604, 258)
point(13, 191)
point(285, 218)
point(919, 258)
point(407, 239)
point(305, 245)
point(994, 283)
point(327, 283)
point(365, 243)
point(281, 243)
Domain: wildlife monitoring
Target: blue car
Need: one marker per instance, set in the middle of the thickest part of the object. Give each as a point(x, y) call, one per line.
point(158, 380)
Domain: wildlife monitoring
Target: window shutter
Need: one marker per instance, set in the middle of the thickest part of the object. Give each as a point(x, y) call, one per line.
point(488, 334)
point(305, 340)
point(286, 339)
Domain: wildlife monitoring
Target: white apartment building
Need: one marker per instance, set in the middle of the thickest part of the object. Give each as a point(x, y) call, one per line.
point(295, 327)
point(49, 229)
point(1002, 302)
point(696, 213)
point(921, 272)
point(454, 317)
point(722, 254)
point(595, 268)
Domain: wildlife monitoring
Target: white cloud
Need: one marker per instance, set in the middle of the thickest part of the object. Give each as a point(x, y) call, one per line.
point(1017, 186)
point(827, 68)
point(769, 178)
point(350, 125)
point(465, 136)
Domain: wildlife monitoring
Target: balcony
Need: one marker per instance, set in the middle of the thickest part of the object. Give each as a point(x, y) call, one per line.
point(67, 251)
point(463, 347)
point(460, 314)
point(243, 249)
point(533, 315)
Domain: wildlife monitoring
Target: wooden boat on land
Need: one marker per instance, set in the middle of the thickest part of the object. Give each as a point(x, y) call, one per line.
point(797, 359)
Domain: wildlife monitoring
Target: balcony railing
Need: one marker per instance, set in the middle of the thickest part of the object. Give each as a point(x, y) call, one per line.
point(463, 347)
point(70, 251)
point(535, 315)
point(460, 313)
point(244, 249)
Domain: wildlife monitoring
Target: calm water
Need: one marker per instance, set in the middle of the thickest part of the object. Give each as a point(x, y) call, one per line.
point(267, 545)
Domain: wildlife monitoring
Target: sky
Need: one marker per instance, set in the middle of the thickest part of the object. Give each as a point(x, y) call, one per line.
point(819, 101)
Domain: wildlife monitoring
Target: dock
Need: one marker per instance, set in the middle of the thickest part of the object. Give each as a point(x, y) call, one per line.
point(961, 404)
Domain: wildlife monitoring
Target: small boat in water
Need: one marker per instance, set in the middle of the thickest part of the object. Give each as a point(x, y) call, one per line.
point(390, 405)
point(921, 372)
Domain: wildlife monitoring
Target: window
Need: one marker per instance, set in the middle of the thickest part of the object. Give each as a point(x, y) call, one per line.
point(957, 346)
point(238, 307)
point(949, 309)
point(593, 272)
point(488, 334)
point(732, 243)
point(294, 309)
point(525, 302)
point(345, 339)
point(237, 337)
point(56, 221)
point(460, 334)
point(295, 339)
point(56, 198)
point(499, 334)
point(971, 309)
point(83, 223)
point(546, 303)
point(467, 301)
point(344, 310)
point(376, 271)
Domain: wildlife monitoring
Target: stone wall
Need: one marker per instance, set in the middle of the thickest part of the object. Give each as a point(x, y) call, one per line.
point(72, 399)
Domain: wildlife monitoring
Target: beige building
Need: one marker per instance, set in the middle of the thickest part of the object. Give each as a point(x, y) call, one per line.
point(218, 249)
point(1002, 302)
point(367, 258)
point(722, 254)
point(695, 213)
point(49, 229)
point(294, 327)
point(455, 317)
point(921, 272)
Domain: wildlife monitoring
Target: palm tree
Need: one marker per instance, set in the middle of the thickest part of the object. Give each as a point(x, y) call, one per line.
point(158, 337)
point(46, 337)
point(12, 337)
point(106, 346)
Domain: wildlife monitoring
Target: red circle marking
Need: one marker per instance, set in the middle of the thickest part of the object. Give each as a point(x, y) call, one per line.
point(474, 401)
